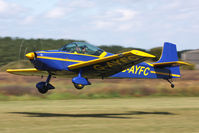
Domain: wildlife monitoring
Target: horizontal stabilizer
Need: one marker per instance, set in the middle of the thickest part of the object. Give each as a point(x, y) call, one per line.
point(170, 64)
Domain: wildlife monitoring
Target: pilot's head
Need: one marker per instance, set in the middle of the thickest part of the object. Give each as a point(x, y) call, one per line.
point(84, 48)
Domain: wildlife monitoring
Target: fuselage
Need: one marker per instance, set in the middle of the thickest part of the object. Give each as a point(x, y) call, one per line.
point(57, 61)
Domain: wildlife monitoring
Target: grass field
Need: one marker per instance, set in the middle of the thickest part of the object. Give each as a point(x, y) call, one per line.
point(14, 87)
point(151, 115)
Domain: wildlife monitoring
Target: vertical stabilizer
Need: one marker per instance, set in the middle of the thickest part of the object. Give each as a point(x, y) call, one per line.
point(169, 53)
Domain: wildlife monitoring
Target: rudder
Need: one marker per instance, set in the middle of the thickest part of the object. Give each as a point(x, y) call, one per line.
point(170, 54)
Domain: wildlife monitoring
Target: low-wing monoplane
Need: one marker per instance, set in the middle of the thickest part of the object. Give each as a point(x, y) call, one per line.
point(82, 61)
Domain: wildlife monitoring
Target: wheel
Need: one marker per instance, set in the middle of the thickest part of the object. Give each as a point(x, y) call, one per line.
point(172, 85)
point(79, 86)
point(42, 88)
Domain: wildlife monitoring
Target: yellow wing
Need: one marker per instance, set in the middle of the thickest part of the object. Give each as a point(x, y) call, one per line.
point(112, 64)
point(27, 72)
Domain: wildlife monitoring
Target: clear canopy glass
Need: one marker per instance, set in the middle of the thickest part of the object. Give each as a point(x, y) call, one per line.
point(82, 47)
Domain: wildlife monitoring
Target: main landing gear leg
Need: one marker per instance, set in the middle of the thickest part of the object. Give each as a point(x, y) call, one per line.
point(170, 81)
point(43, 87)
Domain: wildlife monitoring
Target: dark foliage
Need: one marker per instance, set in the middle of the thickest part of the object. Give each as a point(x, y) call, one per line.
point(14, 49)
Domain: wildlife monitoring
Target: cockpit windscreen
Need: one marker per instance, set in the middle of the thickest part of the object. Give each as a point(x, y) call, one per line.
point(82, 47)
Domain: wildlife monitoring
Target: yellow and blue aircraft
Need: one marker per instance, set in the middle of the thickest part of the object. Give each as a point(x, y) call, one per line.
point(82, 61)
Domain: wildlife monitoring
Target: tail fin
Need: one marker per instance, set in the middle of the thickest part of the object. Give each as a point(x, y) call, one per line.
point(169, 55)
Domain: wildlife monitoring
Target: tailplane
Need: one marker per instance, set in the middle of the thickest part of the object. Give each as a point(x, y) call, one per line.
point(168, 63)
point(169, 60)
point(169, 57)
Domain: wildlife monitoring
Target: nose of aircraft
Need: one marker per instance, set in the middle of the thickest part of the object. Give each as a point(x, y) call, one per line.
point(30, 55)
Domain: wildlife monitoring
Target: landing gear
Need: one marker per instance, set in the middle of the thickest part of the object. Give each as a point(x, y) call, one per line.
point(172, 85)
point(79, 81)
point(43, 87)
point(79, 86)
point(170, 81)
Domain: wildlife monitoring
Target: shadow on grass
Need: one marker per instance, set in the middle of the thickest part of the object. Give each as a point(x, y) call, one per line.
point(110, 115)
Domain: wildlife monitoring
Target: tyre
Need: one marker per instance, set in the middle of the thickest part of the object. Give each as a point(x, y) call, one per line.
point(42, 87)
point(79, 86)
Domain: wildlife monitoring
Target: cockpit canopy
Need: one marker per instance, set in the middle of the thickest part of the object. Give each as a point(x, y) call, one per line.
point(82, 47)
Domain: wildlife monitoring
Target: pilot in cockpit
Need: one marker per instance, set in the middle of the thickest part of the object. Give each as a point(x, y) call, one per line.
point(84, 49)
point(81, 49)
point(77, 49)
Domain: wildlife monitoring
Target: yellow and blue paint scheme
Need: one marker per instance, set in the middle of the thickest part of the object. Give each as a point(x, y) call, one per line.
point(144, 70)
point(70, 62)
point(57, 60)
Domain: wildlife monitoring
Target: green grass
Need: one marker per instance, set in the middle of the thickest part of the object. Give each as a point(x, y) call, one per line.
point(14, 87)
point(143, 115)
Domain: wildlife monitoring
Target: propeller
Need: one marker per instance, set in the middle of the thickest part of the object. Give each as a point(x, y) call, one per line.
point(20, 49)
point(27, 52)
point(30, 55)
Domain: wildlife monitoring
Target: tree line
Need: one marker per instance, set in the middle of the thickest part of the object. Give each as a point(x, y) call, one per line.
point(14, 49)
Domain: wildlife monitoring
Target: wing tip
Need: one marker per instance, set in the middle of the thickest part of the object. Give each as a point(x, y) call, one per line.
point(143, 54)
point(9, 70)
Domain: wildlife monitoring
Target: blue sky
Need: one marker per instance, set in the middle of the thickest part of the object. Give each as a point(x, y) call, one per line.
point(135, 23)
